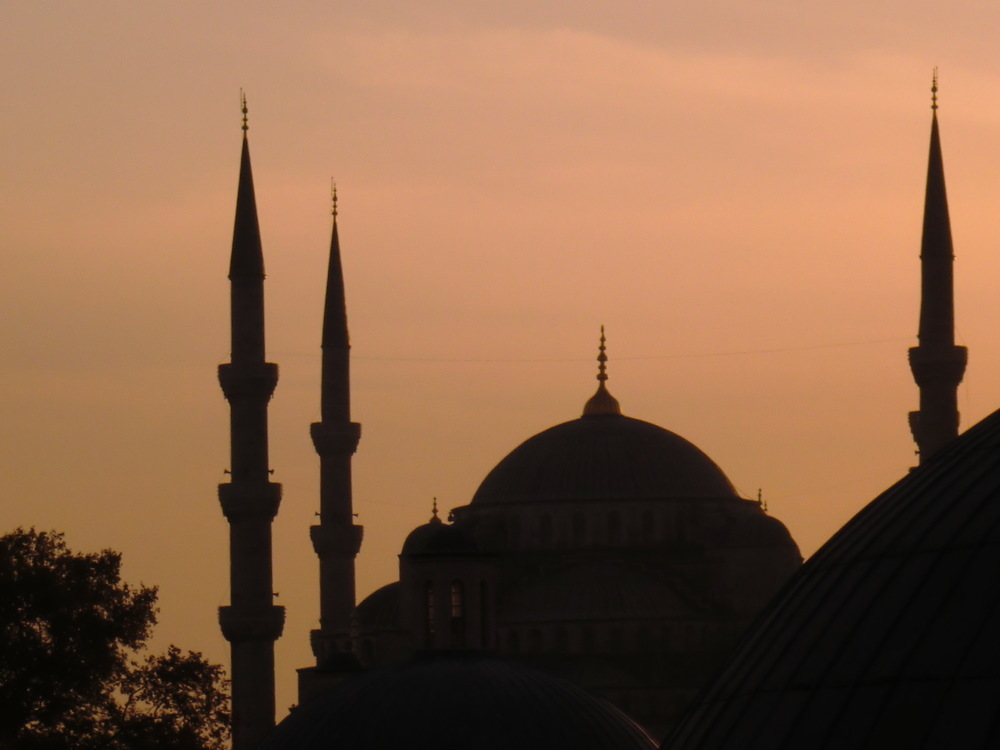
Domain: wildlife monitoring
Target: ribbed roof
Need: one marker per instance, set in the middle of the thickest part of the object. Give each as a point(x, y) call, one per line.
point(604, 457)
point(888, 636)
point(457, 702)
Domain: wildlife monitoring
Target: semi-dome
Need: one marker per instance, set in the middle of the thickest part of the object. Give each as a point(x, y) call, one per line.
point(451, 701)
point(380, 609)
point(887, 637)
point(604, 456)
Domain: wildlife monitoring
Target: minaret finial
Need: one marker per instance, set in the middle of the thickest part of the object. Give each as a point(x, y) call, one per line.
point(934, 90)
point(333, 198)
point(602, 359)
point(243, 108)
point(601, 402)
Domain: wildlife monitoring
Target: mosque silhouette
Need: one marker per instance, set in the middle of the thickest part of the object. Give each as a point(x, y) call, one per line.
point(606, 569)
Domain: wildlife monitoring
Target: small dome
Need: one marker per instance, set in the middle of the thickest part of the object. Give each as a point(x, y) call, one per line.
point(606, 456)
point(887, 636)
point(457, 702)
point(437, 538)
point(379, 610)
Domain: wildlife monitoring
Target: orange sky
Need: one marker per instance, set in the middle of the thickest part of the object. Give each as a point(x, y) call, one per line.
point(733, 189)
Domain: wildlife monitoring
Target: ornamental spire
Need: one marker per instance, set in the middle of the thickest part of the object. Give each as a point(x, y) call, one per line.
point(335, 308)
point(602, 402)
point(247, 258)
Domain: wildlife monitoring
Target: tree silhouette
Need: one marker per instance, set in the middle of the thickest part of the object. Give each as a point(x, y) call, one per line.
point(72, 671)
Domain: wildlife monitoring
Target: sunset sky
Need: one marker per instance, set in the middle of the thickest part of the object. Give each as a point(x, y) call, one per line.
point(734, 189)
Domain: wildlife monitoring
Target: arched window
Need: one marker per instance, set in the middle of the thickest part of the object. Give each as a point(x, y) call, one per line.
point(535, 640)
point(545, 533)
point(648, 529)
point(457, 600)
point(367, 652)
point(614, 527)
point(457, 614)
point(513, 642)
point(484, 615)
point(588, 641)
point(615, 640)
point(579, 528)
point(643, 639)
point(429, 611)
point(562, 640)
point(690, 636)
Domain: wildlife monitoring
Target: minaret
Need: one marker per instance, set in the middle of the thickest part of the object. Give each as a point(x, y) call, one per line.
point(251, 623)
point(937, 364)
point(336, 538)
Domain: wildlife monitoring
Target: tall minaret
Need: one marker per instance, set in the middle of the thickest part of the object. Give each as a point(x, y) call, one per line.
point(337, 538)
point(251, 623)
point(937, 364)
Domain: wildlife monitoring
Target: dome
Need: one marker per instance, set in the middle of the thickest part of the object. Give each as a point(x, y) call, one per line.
point(604, 456)
point(379, 610)
point(437, 538)
point(453, 702)
point(887, 637)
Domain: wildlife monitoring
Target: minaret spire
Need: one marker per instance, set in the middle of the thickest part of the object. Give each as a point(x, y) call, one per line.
point(251, 622)
point(937, 363)
point(336, 539)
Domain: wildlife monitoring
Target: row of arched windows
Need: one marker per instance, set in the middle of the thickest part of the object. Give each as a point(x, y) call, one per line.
point(584, 528)
point(457, 614)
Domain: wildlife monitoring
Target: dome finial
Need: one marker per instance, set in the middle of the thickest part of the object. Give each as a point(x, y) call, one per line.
point(243, 108)
point(934, 90)
point(434, 511)
point(601, 402)
point(602, 359)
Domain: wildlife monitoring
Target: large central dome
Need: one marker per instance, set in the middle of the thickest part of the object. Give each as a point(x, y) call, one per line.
point(604, 456)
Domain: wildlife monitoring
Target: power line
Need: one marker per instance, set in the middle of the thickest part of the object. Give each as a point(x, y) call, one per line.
point(684, 355)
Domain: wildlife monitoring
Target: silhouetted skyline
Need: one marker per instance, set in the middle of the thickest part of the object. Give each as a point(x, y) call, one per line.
point(735, 193)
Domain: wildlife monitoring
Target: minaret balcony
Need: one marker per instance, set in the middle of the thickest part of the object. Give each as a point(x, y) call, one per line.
point(335, 438)
point(257, 625)
point(938, 365)
point(249, 501)
point(248, 381)
point(336, 540)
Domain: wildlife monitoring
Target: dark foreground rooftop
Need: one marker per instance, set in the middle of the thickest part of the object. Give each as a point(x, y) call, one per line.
point(889, 637)
point(456, 701)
